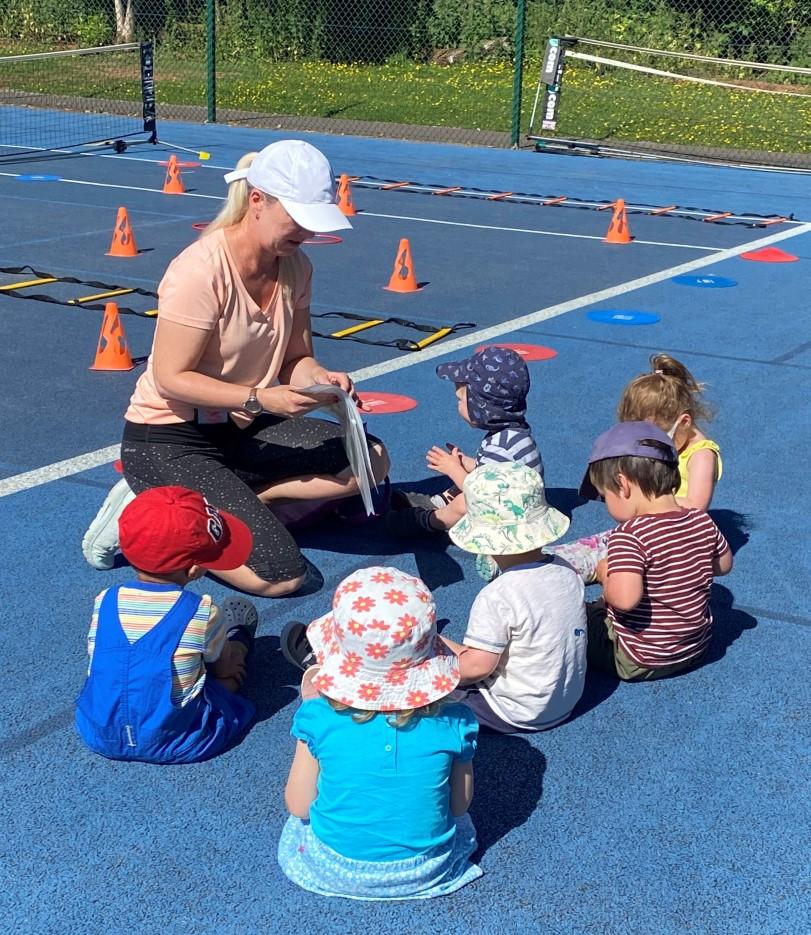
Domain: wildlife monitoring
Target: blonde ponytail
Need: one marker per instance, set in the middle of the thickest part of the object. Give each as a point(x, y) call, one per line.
point(662, 395)
point(236, 202)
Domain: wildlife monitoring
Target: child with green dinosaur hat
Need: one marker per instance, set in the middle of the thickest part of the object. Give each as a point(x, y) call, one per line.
point(523, 657)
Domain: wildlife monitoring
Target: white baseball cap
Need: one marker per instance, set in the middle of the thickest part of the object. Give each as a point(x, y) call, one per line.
point(301, 178)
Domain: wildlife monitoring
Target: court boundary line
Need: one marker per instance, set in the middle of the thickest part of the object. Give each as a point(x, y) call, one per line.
point(372, 214)
point(17, 483)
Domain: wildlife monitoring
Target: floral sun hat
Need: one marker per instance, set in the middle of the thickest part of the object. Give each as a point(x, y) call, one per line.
point(507, 512)
point(378, 648)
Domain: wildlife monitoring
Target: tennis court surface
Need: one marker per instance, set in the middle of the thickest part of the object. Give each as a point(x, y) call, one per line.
point(665, 807)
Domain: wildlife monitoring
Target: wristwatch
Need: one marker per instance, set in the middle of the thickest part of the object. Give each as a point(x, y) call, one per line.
point(252, 404)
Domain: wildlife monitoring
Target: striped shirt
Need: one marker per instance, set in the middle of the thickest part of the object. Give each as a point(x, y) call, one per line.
point(674, 553)
point(510, 445)
point(202, 641)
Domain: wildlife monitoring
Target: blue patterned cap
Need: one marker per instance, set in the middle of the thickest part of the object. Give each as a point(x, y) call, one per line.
point(497, 379)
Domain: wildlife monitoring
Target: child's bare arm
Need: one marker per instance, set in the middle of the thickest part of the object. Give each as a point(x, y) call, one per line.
point(474, 664)
point(701, 470)
point(461, 788)
point(623, 590)
point(722, 564)
point(302, 783)
point(449, 515)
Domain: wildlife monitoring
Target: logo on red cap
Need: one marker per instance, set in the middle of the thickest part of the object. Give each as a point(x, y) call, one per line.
point(169, 529)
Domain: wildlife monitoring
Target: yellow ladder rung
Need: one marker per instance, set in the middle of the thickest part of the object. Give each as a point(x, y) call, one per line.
point(152, 312)
point(433, 337)
point(27, 284)
point(356, 328)
point(99, 295)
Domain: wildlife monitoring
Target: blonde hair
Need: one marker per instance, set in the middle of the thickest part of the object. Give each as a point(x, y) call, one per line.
point(662, 395)
point(236, 202)
point(235, 209)
point(395, 718)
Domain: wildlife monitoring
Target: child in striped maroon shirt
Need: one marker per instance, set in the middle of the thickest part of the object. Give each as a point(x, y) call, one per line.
point(654, 619)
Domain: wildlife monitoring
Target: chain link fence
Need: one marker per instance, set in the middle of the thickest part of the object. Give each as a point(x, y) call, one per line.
point(456, 70)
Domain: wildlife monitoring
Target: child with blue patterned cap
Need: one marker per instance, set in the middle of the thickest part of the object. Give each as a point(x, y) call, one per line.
point(491, 389)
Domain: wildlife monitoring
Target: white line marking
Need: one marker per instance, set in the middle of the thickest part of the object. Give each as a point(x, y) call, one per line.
point(57, 471)
point(395, 217)
point(127, 188)
point(553, 311)
point(19, 482)
point(526, 230)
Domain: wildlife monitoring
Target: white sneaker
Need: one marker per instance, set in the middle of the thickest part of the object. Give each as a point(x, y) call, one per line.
point(100, 542)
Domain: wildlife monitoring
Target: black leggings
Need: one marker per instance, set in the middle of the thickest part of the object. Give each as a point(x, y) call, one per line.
point(225, 463)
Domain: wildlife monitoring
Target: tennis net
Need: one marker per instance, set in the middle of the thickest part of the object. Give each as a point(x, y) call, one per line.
point(681, 106)
point(75, 98)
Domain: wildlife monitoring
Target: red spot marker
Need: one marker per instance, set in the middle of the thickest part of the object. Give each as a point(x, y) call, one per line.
point(386, 403)
point(527, 351)
point(118, 466)
point(770, 255)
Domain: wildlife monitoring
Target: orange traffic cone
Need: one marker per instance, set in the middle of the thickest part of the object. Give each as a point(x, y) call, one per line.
point(345, 202)
point(618, 231)
point(402, 277)
point(173, 184)
point(123, 242)
point(113, 352)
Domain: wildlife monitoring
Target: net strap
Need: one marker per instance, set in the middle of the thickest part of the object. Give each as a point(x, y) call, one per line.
point(598, 60)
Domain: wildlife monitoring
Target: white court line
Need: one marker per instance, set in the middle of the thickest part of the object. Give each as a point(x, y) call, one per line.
point(396, 217)
point(553, 311)
point(526, 230)
point(20, 482)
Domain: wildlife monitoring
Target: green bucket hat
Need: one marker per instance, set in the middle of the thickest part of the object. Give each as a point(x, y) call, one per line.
point(507, 512)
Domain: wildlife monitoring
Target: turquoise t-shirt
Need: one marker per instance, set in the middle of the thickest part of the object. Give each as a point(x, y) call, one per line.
point(384, 792)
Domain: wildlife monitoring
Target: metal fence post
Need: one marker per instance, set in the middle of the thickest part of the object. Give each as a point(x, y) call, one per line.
point(518, 74)
point(211, 62)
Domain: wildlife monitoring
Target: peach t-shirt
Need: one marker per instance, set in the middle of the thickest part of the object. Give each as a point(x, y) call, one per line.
point(203, 289)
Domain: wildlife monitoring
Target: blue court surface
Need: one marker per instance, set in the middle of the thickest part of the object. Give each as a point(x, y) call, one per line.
point(670, 807)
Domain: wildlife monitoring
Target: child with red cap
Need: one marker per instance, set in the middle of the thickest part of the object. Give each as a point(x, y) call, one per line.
point(165, 663)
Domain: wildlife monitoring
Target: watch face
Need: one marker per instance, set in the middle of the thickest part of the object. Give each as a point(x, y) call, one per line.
point(253, 406)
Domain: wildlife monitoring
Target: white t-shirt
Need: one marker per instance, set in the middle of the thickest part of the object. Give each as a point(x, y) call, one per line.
point(534, 615)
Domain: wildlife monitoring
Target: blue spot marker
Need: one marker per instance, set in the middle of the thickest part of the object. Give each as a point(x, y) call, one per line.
point(38, 178)
point(707, 281)
point(608, 316)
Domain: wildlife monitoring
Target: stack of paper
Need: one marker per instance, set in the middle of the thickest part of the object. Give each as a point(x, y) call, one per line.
point(345, 410)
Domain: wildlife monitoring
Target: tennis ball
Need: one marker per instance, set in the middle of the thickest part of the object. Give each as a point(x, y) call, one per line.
point(204, 155)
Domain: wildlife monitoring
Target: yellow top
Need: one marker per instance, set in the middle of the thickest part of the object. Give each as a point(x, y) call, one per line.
point(688, 453)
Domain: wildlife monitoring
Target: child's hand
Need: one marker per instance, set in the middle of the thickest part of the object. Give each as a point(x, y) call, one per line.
point(444, 462)
point(601, 571)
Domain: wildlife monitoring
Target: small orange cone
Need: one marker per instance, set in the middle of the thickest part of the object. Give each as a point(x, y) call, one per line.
point(345, 202)
point(402, 277)
point(618, 228)
point(173, 184)
point(113, 352)
point(123, 242)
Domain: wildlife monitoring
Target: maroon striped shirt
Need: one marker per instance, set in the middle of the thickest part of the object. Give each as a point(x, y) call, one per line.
point(674, 553)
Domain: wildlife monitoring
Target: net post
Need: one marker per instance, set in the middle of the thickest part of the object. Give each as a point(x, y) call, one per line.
point(148, 91)
point(211, 62)
point(518, 72)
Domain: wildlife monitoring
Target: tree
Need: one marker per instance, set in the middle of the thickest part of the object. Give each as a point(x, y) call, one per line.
point(124, 20)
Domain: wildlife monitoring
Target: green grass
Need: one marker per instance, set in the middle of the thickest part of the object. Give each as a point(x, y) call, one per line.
point(612, 104)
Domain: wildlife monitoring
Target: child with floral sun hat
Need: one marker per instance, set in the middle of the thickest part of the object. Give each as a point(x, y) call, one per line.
point(382, 775)
point(523, 656)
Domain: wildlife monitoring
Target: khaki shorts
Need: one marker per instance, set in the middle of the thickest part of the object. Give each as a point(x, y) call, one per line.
point(605, 653)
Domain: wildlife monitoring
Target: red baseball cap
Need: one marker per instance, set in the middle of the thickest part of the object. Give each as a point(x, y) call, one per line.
point(168, 529)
